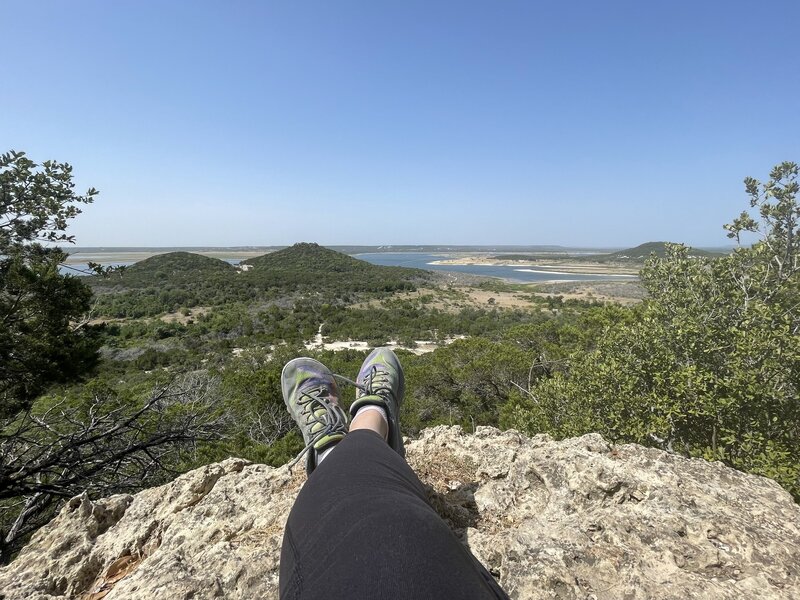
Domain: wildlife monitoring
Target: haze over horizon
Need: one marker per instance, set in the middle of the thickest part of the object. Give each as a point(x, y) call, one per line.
point(78, 249)
point(346, 123)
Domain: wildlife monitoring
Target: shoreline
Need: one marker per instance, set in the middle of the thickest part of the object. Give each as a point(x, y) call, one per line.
point(547, 271)
point(566, 268)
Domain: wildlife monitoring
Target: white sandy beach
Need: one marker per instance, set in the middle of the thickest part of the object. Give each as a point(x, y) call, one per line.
point(548, 272)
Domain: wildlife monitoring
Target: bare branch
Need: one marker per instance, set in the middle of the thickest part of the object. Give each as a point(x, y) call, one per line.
point(106, 447)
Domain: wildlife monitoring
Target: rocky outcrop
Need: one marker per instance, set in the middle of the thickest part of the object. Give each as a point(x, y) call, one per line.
point(572, 519)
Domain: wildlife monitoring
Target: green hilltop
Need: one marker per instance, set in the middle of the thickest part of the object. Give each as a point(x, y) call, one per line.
point(309, 257)
point(174, 265)
point(643, 251)
point(309, 265)
point(165, 283)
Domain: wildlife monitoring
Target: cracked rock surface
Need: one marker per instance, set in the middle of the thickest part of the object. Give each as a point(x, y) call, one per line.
point(571, 519)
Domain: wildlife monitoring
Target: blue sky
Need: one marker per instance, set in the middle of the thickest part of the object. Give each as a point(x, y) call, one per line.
point(537, 122)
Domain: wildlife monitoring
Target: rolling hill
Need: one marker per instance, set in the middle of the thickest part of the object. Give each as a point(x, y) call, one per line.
point(175, 267)
point(309, 257)
point(308, 265)
point(643, 251)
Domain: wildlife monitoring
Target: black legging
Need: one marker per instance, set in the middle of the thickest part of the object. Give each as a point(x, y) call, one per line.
point(362, 529)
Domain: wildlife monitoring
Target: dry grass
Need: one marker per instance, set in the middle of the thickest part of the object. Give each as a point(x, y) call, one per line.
point(450, 482)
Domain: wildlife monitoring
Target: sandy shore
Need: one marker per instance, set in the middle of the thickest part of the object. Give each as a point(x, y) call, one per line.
point(565, 267)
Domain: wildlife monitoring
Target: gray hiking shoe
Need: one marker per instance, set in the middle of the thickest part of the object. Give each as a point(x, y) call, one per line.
point(312, 397)
point(381, 382)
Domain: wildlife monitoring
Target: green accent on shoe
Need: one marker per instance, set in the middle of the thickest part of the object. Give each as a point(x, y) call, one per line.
point(312, 398)
point(381, 382)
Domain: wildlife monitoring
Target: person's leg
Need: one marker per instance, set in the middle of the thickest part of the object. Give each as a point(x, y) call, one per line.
point(373, 418)
point(361, 527)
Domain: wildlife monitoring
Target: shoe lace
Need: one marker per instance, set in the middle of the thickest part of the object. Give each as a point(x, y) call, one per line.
point(376, 382)
point(333, 420)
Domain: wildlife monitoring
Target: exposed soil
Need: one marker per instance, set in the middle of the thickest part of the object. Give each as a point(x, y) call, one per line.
point(179, 317)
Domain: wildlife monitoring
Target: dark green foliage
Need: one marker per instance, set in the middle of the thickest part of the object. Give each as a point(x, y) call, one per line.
point(311, 258)
point(464, 384)
point(313, 268)
point(553, 339)
point(167, 283)
point(41, 339)
point(175, 267)
point(39, 345)
point(410, 320)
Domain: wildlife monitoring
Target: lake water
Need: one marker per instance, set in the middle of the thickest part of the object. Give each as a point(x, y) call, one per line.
point(421, 260)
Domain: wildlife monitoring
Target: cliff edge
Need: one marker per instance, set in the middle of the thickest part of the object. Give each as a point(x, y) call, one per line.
point(576, 519)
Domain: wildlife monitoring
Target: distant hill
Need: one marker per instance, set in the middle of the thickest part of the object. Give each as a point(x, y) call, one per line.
point(308, 265)
point(643, 251)
point(637, 254)
point(173, 267)
point(165, 283)
point(309, 257)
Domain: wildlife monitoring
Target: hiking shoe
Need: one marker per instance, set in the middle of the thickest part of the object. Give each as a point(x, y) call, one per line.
point(312, 397)
point(381, 382)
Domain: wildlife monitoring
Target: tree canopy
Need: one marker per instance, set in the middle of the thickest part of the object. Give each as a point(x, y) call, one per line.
point(42, 340)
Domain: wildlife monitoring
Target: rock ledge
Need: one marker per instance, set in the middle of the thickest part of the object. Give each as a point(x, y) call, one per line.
point(571, 519)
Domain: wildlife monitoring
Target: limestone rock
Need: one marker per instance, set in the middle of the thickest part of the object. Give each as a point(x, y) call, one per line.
point(571, 519)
